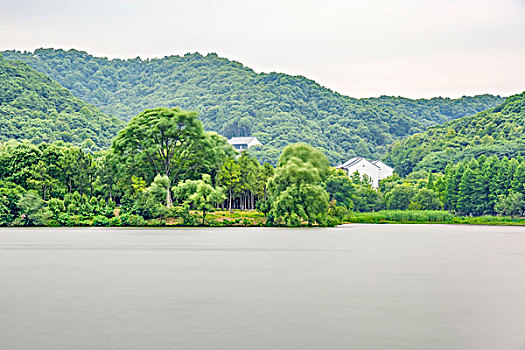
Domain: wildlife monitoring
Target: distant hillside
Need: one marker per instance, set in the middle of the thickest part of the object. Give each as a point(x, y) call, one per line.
point(35, 108)
point(235, 101)
point(499, 131)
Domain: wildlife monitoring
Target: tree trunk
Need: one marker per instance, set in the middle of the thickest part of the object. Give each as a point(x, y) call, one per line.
point(230, 201)
point(169, 201)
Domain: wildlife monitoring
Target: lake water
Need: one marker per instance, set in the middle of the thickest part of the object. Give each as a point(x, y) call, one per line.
point(353, 287)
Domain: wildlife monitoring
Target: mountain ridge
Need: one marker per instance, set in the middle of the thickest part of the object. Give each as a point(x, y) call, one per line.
point(234, 100)
point(497, 131)
point(36, 108)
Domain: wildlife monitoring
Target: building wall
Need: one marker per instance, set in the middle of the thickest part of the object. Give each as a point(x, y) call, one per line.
point(254, 142)
point(385, 171)
point(364, 167)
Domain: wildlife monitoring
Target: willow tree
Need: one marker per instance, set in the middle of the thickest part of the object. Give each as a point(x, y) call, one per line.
point(168, 142)
point(295, 189)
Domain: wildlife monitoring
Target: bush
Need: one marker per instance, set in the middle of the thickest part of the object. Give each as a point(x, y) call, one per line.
point(132, 220)
point(338, 212)
point(114, 221)
point(32, 209)
point(100, 220)
point(56, 206)
point(156, 222)
point(331, 221)
point(183, 212)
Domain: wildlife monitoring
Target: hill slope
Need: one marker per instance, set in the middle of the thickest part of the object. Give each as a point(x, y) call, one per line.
point(35, 108)
point(499, 131)
point(235, 101)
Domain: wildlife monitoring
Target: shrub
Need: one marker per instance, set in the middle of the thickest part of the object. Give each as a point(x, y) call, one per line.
point(183, 212)
point(331, 221)
point(32, 209)
point(114, 221)
point(156, 222)
point(100, 220)
point(132, 220)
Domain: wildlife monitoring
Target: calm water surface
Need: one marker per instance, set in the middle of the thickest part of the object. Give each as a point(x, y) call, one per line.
point(353, 287)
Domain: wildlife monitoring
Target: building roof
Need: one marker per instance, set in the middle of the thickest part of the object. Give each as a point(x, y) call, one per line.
point(380, 164)
point(241, 140)
point(353, 161)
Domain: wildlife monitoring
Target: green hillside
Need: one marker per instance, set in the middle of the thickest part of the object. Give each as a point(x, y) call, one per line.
point(233, 100)
point(499, 131)
point(35, 108)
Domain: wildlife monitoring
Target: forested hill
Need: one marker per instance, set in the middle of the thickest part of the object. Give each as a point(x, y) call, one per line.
point(35, 108)
point(499, 131)
point(235, 101)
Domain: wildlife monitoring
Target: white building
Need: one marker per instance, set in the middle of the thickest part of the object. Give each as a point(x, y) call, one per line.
point(242, 143)
point(384, 170)
point(375, 170)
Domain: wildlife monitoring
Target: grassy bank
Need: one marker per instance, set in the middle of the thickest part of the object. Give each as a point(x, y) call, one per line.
point(429, 217)
point(236, 218)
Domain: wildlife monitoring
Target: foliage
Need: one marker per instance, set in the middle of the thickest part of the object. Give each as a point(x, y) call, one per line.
point(150, 202)
point(340, 188)
point(33, 212)
point(402, 216)
point(512, 204)
point(169, 142)
point(233, 100)
point(295, 189)
point(200, 194)
point(425, 199)
point(429, 217)
point(399, 197)
point(35, 108)
point(10, 195)
point(475, 187)
point(244, 180)
point(498, 131)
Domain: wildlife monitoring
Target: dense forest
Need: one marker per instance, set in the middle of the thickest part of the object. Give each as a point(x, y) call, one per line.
point(35, 108)
point(63, 162)
point(499, 131)
point(164, 168)
point(233, 100)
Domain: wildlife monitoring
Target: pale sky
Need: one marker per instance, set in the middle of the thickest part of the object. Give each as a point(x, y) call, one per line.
point(360, 48)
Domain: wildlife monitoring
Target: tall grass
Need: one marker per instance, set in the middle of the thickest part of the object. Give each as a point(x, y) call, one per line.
point(430, 216)
point(402, 216)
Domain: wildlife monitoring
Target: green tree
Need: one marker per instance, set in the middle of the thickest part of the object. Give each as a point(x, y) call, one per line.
point(10, 194)
point(518, 178)
point(425, 199)
point(512, 204)
point(32, 209)
point(340, 188)
point(166, 141)
point(296, 189)
point(399, 197)
point(200, 194)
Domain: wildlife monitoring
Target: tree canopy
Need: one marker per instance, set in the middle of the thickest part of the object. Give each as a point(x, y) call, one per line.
point(295, 189)
point(233, 100)
point(499, 131)
point(169, 142)
point(35, 108)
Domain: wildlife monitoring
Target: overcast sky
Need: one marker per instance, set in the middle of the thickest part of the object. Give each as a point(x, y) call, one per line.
point(361, 48)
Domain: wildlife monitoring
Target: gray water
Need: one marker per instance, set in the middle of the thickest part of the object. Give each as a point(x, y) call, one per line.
point(353, 287)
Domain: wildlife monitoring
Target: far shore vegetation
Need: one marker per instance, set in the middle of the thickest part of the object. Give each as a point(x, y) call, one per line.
point(163, 168)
